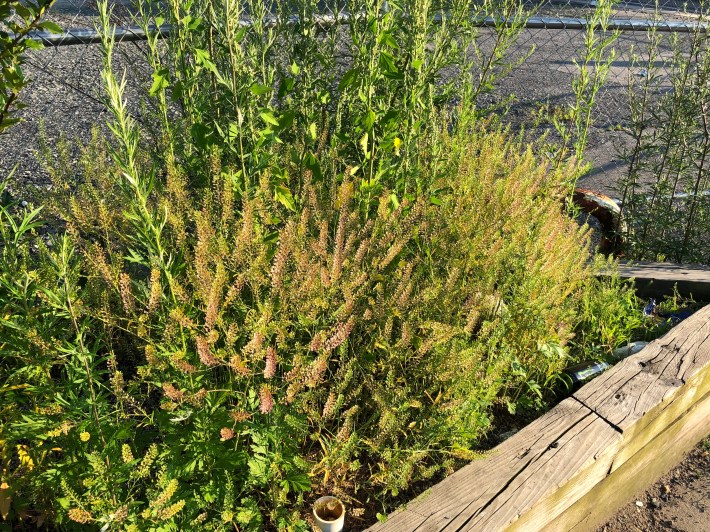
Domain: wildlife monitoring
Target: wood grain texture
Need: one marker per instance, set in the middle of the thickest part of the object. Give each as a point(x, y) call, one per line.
point(607, 439)
point(655, 279)
point(651, 462)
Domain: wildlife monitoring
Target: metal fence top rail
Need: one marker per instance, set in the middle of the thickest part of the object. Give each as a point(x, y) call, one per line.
point(135, 33)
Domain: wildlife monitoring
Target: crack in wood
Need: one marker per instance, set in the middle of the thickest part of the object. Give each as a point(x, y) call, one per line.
point(550, 451)
point(605, 420)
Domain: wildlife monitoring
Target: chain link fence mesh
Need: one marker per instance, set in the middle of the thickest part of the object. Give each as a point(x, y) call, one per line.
point(65, 93)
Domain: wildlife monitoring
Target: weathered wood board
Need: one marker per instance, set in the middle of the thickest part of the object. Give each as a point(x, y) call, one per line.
point(571, 468)
point(655, 279)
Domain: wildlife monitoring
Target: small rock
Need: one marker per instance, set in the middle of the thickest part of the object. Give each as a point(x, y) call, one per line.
point(666, 488)
point(23, 203)
point(639, 504)
point(655, 503)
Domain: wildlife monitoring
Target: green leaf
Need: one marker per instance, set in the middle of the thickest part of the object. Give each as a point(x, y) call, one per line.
point(160, 81)
point(269, 118)
point(286, 86)
point(368, 121)
point(258, 89)
point(284, 197)
point(310, 161)
point(271, 238)
point(51, 27)
point(33, 45)
point(202, 135)
point(201, 56)
point(286, 119)
point(364, 142)
point(348, 79)
point(298, 482)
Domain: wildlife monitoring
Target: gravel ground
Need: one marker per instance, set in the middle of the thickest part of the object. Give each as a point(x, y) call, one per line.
point(679, 501)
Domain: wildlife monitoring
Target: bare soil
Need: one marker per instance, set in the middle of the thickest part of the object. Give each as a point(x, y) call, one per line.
point(679, 501)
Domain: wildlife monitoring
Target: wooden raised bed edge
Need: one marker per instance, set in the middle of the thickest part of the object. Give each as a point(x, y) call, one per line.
point(574, 466)
point(655, 279)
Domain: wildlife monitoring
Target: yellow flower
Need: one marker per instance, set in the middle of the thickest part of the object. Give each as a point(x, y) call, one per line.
point(397, 145)
point(84, 436)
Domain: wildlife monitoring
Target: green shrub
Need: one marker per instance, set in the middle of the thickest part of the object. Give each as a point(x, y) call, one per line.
point(665, 199)
point(223, 328)
point(360, 92)
point(252, 353)
point(17, 20)
point(610, 315)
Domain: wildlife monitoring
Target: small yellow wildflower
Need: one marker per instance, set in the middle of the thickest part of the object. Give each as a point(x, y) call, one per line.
point(397, 145)
point(84, 436)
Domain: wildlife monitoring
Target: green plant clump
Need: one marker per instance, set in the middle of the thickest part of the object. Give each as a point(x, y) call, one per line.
point(252, 306)
point(666, 190)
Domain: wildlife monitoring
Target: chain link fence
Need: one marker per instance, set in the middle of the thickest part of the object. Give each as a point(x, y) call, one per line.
point(65, 93)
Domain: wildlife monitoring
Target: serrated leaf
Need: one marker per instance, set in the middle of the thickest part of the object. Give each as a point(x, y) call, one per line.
point(160, 81)
point(284, 197)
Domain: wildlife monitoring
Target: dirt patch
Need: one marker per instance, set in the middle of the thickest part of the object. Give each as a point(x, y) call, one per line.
point(679, 501)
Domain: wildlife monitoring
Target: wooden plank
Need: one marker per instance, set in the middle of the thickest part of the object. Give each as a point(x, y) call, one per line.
point(656, 279)
point(645, 467)
point(648, 398)
point(545, 472)
point(647, 391)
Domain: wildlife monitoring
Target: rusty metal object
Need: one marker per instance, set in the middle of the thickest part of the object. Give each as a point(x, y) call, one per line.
point(604, 209)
